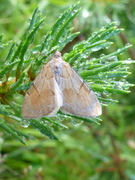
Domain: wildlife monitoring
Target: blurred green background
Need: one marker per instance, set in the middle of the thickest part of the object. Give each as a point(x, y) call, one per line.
point(86, 151)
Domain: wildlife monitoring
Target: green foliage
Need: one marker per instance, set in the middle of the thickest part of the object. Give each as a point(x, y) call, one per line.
point(86, 151)
point(107, 73)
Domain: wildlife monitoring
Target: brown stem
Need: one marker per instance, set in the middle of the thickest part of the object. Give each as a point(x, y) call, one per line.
point(125, 41)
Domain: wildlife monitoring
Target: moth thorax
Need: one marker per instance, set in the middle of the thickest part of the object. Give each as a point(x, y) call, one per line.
point(57, 72)
point(57, 69)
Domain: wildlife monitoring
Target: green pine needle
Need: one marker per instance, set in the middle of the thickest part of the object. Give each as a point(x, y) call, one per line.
point(105, 74)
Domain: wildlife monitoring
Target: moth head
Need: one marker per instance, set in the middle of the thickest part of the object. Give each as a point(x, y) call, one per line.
point(57, 54)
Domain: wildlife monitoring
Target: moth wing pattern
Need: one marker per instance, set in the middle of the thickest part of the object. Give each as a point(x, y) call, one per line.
point(41, 99)
point(56, 87)
point(78, 98)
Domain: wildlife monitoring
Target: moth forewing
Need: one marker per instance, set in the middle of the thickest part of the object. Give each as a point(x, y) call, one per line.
point(78, 98)
point(44, 97)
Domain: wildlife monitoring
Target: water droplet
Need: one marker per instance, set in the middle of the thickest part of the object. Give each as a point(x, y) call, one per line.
point(24, 123)
point(102, 55)
point(118, 50)
point(96, 48)
point(94, 34)
point(29, 21)
point(3, 79)
point(112, 58)
point(127, 45)
point(76, 122)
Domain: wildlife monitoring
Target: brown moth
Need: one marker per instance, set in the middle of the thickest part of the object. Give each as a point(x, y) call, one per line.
point(59, 87)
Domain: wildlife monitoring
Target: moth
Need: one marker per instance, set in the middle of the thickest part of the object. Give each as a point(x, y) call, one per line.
point(59, 87)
